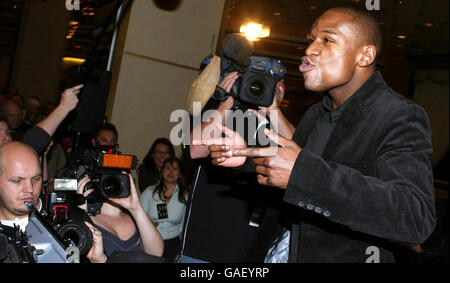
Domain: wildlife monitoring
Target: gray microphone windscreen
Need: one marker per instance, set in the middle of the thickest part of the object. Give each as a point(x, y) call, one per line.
point(238, 48)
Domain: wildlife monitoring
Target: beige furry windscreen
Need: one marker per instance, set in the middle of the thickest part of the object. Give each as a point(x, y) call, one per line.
point(204, 85)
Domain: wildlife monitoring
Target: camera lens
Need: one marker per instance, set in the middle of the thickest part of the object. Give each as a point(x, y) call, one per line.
point(256, 88)
point(76, 233)
point(112, 187)
point(72, 237)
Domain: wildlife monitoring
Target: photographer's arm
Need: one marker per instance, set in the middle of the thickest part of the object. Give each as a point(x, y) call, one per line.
point(283, 126)
point(151, 240)
point(40, 135)
point(197, 148)
point(68, 102)
point(279, 122)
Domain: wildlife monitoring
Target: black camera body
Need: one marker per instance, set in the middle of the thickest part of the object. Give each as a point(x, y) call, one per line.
point(256, 84)
point(15, 247)
point(67, 220)
point(39, 242)
point(104, 166)
point(108, 183)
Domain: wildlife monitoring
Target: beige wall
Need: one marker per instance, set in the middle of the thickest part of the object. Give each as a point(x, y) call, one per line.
point(159, 56)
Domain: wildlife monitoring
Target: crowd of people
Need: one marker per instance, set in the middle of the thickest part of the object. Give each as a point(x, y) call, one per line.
point(353, 175)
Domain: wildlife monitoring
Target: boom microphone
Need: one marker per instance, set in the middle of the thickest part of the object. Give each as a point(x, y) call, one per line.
point(237, 48)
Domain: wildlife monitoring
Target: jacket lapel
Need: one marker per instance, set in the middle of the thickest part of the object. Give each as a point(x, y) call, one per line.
point(353, 113)
point(306, 125)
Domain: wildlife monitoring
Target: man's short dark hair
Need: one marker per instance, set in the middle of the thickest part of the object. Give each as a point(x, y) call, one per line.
point(106, 126)
point(370, 31)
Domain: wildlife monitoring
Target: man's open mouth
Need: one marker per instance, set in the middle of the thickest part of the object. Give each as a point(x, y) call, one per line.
point(306, 65)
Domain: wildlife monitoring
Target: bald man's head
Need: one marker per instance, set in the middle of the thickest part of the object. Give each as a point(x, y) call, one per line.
point(20, 179)
point(16, 149)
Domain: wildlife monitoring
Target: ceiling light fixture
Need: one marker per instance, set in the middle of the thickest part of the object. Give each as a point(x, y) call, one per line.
point(73, 60)
point(253, 31)
point(401, 36)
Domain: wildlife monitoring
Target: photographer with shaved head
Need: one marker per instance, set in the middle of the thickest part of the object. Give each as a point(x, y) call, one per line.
point(20, 181)
point(356, 172)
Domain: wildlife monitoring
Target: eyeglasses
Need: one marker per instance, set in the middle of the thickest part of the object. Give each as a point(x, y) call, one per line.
point(7, 132)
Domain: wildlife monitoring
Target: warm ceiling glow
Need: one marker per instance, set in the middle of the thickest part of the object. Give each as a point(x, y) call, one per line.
point(401, 36)
point(254, 31)
point(429, 24)
point(73, 60)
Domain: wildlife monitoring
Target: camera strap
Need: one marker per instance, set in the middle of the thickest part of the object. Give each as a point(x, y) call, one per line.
point(220, 94)
point(94, 208)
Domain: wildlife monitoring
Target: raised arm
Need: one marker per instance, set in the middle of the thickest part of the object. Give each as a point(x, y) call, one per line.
point(280, 123)
point(68, 102)
point(151, 239)
point(197, 149)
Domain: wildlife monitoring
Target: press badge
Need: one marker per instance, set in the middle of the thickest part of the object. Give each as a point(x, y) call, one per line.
point(162, 211)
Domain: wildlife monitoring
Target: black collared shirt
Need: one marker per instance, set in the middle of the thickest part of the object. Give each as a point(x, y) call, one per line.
point(324, 126)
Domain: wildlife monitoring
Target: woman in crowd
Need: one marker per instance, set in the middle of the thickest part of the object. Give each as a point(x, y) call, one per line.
point(165, 204)
point(122, 225)
point(149, 171)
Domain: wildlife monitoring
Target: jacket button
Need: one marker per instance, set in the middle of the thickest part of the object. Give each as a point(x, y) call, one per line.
point(326, 213)
point(301, 204)
point(310, 206)
point(318, 209)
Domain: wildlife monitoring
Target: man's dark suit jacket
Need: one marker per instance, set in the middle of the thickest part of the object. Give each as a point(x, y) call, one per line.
point(372, 186)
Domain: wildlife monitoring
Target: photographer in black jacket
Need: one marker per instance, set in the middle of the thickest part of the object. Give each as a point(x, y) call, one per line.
point(220, 224)
point(20, 168)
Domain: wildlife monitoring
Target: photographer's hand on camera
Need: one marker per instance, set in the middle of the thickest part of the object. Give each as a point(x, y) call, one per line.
point(131, 203)
point(96, 253)
point(278, 120)
point(151, 239)
point(81, 190)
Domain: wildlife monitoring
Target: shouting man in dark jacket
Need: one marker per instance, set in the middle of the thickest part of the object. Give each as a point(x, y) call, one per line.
point(357, 166)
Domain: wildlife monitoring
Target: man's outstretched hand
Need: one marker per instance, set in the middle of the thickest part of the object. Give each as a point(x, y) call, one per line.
point(273, 164)
point(221, 148)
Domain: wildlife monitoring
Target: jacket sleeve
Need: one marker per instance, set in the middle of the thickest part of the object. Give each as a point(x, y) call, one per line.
point(396, 204)
point(36, 138)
